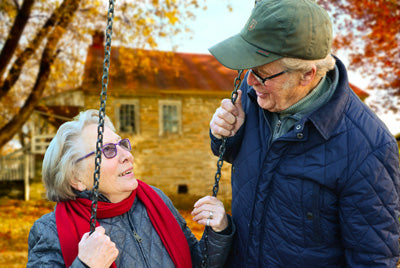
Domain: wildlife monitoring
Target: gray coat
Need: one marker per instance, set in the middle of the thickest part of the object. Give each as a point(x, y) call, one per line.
point(135, 237)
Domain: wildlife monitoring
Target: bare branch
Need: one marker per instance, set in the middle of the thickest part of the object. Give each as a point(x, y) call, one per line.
point(48, 56)
point(16, 4)
point(23, 57)
point(15, 34)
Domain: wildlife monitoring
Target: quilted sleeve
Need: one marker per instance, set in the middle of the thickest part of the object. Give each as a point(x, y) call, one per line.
point(44, 246)
point(369, 210)
point(232, 145)
point(218, 244)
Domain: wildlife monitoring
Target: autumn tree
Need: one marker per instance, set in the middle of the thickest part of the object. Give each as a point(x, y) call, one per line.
point(43, 45)
point(369, 32)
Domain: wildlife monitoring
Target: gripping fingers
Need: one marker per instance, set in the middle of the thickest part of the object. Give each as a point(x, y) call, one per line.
point(223, 131)
point(222, 123)
point(97, 249)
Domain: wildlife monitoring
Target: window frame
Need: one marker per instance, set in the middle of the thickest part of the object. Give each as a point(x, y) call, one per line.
point(162, 103)
point(117, 111)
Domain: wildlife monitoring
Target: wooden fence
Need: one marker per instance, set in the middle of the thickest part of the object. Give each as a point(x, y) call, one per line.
point(17, 166)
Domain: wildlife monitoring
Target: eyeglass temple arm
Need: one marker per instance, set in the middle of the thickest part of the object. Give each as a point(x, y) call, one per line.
point(89, 154)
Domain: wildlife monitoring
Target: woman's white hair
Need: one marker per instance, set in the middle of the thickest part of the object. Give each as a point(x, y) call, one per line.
point(323, 66)
point(59, 166)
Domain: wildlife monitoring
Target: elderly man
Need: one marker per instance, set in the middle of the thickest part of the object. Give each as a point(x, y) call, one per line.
point(315, 173)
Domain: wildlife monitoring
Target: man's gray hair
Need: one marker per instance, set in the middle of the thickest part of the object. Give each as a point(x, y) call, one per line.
point(323, 66)
point(59, 166)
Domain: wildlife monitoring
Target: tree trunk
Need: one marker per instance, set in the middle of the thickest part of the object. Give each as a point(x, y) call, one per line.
point(22, 58)
point(15, 34)
point(49, 53)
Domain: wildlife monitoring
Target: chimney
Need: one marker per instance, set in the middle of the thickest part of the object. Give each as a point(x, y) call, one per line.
point(98, 39)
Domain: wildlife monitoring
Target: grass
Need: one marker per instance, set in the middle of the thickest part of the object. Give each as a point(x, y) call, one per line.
point(17, 218)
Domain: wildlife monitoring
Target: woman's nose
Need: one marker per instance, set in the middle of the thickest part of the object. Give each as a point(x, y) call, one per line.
point(125, 155)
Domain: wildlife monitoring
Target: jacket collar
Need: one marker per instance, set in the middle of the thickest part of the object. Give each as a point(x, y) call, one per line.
point(87, 194)
point(328, 116)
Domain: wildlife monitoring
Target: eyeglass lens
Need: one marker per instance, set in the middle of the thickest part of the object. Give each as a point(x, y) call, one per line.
point(110, 149)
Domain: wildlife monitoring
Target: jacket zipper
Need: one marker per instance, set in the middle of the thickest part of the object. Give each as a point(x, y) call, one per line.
point(269, 126)
point(137, 236)
point(278, 126)
point(138, 240)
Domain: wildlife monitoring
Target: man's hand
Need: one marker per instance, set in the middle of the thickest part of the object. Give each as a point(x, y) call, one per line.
point(228, 118)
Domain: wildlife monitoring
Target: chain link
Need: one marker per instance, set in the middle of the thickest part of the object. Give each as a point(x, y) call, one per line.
point(220, 162)
point(102, 111)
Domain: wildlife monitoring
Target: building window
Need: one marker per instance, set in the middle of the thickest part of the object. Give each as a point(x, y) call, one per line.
point(170, 117)
point(127, 116)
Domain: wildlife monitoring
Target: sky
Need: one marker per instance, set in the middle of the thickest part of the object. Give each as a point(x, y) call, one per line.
point(214, 24)
point(217, 23)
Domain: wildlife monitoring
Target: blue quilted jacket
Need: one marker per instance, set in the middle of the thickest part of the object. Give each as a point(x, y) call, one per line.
point(325, 194)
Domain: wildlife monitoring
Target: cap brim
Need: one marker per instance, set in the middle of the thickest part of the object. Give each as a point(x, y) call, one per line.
point(238, 54)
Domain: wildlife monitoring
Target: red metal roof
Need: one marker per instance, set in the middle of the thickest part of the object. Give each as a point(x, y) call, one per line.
point(165, 71)
point(134, 71)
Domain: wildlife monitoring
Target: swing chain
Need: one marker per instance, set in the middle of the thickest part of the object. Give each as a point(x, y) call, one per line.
point(220, 162)
point(100, 129)
point(222, 148)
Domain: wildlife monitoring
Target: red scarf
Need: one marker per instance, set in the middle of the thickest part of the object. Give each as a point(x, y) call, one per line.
point(72, 219)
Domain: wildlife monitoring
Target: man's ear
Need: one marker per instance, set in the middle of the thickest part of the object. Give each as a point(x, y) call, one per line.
point(308, 77)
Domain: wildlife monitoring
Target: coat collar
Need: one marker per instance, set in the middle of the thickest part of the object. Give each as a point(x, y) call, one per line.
point(328, 116)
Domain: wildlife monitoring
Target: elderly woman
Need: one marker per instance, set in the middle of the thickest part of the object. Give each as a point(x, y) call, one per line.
point(138, 226)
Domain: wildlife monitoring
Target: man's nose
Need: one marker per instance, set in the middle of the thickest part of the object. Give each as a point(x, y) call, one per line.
point(252, 79)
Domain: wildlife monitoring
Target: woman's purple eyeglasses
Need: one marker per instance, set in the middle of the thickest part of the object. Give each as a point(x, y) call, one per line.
point(110, 149)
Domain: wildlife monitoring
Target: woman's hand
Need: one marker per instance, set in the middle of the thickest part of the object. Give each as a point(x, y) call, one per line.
point(97, 250)
point(211, 212)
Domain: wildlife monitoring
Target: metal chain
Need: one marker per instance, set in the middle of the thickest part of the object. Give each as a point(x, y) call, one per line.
point(102, 110)
point(222, 148)
point(220, 162)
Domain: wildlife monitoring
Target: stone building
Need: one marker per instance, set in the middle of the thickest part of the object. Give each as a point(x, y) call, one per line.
point(163, 102)
point(164, 109)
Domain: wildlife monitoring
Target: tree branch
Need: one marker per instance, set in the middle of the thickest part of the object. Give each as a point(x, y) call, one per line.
point(23, 57)
point(16, 4)
point(15, 34)
point(48, 56)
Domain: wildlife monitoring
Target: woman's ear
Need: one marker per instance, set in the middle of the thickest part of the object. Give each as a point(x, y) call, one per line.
point(77, 184)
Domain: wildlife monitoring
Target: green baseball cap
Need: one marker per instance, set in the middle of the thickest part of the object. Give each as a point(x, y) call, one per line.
point(278, 28)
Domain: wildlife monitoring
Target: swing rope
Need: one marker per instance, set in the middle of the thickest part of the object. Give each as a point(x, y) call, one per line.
point(102, 111)
point(220, 162)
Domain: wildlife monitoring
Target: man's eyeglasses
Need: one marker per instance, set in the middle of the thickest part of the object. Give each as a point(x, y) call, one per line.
point(262, 80)
point(110, 149)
